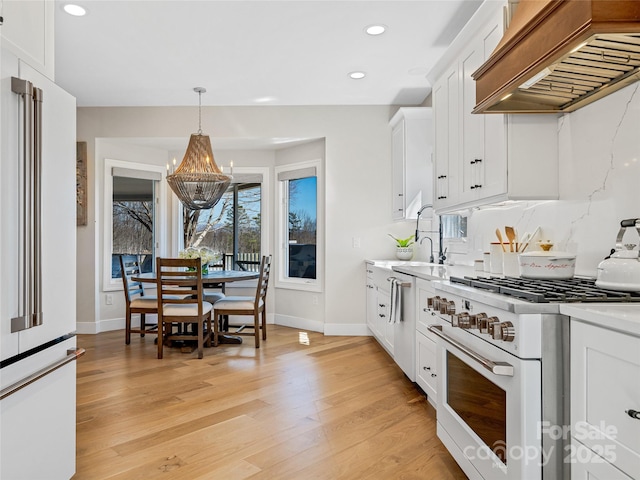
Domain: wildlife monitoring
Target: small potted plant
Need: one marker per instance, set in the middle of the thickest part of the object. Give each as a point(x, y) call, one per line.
point(404, 247)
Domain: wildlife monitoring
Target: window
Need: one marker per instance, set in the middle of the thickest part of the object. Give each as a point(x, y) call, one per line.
point(233, 227)
point(132, 217)
point(298, 228)
point(132, 222)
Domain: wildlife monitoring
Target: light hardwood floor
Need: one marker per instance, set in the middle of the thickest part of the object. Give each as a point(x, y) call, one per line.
point(303, 406)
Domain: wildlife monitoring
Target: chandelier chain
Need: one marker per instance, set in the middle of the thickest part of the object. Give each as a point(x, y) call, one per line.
point(199, 112)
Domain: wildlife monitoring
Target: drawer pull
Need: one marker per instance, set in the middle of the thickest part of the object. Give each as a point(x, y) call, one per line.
point(426, 368)
point(633, 414)
point(433, 375)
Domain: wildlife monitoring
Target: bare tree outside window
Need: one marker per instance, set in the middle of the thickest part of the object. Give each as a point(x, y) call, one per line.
point(133, 218)
point(214, 228)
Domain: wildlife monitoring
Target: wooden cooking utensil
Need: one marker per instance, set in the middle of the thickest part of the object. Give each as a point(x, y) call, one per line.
point(499, 235)
point(511, 236)
point(526, 244)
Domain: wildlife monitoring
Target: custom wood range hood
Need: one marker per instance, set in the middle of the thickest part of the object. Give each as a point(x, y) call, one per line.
point(560, 55)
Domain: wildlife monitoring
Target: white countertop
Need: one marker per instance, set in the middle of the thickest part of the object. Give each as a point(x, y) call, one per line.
point(426, 270)
point(624, 317)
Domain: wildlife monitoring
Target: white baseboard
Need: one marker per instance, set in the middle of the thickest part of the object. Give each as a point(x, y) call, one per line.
point(347, 329)
point(298, 322)
point(354, 330)
point(340, 329)
point(109, 324)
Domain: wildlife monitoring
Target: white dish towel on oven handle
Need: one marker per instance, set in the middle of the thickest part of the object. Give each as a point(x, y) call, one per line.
point(395, 300)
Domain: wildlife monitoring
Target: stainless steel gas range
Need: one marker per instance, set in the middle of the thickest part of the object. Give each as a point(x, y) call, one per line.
point(503, 356)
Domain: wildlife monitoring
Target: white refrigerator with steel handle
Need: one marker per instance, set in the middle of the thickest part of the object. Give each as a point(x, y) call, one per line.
point(37, 275)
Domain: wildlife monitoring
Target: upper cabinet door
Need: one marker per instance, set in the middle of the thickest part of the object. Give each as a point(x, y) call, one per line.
point(412, 164)
point(28, 32)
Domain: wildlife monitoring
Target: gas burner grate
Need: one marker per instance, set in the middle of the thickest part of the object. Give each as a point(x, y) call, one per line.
point(578, 290)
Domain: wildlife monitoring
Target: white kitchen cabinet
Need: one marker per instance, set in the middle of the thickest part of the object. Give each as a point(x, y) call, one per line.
point(426, 369)
point(28, 32)
point(378, 306)
point(387, 329)
point(605, 392)
point(486, 158)
point(586, 465)
point(372, 310)
point(412, 165)
point(445, 106)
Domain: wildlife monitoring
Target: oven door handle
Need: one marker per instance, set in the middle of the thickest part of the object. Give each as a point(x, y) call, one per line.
point(497, 368)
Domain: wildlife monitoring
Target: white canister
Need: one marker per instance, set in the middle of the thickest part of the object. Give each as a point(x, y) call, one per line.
point(495, 258)
point(486, 256)
point(478, 265)
point(510, 264)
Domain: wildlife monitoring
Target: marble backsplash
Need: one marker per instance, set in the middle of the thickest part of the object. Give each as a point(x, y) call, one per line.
point(599, 186)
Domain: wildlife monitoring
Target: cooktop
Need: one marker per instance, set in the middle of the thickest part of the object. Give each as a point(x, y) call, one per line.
point(547, 291)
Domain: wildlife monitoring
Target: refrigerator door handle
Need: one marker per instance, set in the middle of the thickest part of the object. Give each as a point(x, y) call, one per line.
point(30, 205)
point(71, 356)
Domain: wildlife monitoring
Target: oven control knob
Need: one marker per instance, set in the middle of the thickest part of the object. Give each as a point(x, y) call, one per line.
point(442, 305)
point(431, 302)
point(463, 320)
point(435, 304)
point(492, 323)
point(483, 322)
point(504, 331)
point(475, 320)
point(458, 319)
point(449, 307)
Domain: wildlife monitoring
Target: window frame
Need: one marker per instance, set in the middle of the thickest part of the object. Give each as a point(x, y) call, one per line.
point(282, 280)
point(159, 221)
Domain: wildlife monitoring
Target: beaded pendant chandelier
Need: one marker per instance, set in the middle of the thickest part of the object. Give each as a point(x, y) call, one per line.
point(198, 182)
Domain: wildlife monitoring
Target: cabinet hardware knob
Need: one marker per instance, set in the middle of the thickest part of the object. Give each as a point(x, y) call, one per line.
point(382, 315)
point(433, 375)
point(633, 414)
point(425, 309)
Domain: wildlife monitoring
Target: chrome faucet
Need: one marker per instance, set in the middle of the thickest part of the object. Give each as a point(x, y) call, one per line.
point(431, 259)
point(422, 209)
point(441, 253)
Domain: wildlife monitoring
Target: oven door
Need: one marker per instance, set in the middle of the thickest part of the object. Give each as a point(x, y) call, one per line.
point(489, 407)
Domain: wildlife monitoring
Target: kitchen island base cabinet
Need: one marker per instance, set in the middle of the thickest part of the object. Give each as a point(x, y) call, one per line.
point(605, 392)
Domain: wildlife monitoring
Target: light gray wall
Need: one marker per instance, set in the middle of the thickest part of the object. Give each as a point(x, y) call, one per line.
point(358, 190)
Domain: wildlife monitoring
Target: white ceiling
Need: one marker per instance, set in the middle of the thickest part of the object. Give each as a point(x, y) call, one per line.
point(292, 52)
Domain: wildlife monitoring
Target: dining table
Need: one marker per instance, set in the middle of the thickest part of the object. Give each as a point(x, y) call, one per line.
point(211, 279)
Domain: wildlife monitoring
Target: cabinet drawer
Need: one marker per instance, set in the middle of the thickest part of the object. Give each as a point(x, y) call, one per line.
point(586, 465)
point(425, 316)
point(426, 374)
point(605, 384)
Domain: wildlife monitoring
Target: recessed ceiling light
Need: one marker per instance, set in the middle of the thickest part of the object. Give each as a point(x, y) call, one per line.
point(357, 75)
point(375, 29)
point(75, 10)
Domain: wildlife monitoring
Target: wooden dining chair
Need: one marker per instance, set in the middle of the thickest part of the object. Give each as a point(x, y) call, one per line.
point(245, 305)
point(176, 310)
point(136, 302)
